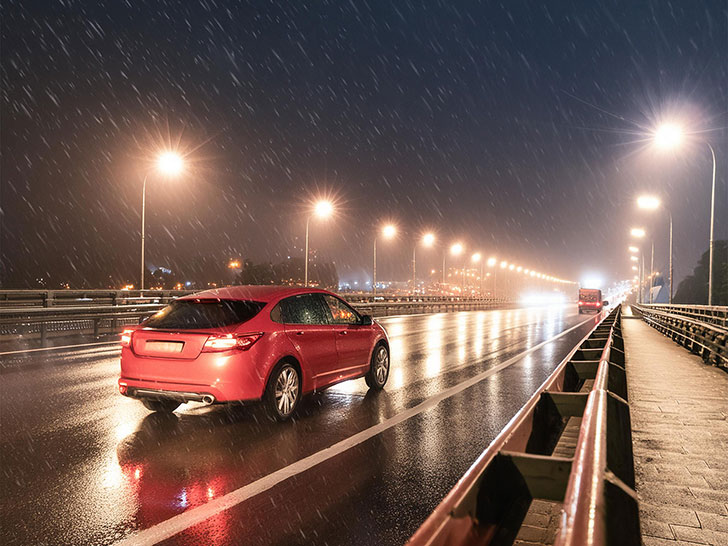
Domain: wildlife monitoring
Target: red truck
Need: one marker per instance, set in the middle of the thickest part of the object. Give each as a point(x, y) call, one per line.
point(590, 299)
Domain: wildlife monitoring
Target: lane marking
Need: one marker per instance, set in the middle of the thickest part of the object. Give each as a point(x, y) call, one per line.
point(22, 351)
point(176, 524)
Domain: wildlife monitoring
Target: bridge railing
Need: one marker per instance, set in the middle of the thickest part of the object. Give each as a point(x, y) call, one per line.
point(33, 323)
point(711, 314)
point(595, 487)
point(700, 333)
point(85, 298)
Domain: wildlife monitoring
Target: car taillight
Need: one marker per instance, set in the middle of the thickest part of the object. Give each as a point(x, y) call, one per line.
point(126, 337)
point(227, 342)
point(581, 303)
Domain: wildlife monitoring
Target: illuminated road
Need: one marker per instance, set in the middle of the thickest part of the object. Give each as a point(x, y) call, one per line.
point(83, 465)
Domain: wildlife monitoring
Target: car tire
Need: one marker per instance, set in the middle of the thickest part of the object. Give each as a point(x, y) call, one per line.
point(162, 406)
point(283, 392)
point(378, 372)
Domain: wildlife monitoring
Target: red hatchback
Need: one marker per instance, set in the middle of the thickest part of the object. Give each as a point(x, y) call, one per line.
point(250, 343)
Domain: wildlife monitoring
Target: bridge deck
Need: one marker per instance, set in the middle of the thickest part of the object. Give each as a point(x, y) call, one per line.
point(679, 411)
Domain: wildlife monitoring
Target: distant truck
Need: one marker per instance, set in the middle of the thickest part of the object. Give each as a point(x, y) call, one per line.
point(590, 299)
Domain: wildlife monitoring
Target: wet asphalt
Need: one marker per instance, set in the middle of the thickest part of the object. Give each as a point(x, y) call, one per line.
point(83, 465)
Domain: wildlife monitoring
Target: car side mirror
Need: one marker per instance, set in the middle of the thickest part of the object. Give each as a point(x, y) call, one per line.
point(366, 320)
point(605, 303)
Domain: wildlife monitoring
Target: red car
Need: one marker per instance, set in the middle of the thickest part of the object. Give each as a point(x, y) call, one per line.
point(250, 343)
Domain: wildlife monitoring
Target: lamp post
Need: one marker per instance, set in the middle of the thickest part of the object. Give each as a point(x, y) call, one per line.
point(388, 232)
point(639, 233)
point(427, 240)
point(478, 258)
point(456, 249)
point(491, 264)
point(668, 136)
point(649, 202)
point(321, 209)
point(170, 164)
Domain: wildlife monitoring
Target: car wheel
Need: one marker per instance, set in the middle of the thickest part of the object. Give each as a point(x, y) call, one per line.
point(162, 406)
point(283, 392)
point(378, 372)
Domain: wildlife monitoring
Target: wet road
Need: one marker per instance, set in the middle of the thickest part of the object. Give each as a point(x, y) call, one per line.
point(84, 465)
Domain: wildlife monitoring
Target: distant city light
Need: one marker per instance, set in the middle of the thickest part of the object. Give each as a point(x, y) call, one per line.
point(668, 136)
point(234, 264)
point(648, 202)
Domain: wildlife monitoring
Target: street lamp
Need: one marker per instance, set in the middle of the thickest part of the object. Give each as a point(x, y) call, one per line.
point(456, 249)
point(637, 232)
point(669, 136)
point(478, 258)
point(169, 164)
point(491, 264)
point(428, 239)
point(322, 209)
point(650, 202)
point(388, 231)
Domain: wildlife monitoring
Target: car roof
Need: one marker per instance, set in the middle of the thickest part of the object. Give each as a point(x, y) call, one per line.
point(256, 293)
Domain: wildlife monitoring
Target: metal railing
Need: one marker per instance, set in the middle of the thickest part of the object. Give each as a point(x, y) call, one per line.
point(699, 333)
point(596, 486)
point(711, 314)
point(41, 323)
point(85, 298)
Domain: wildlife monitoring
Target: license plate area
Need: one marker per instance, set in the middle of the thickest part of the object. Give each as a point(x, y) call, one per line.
point(172, 347)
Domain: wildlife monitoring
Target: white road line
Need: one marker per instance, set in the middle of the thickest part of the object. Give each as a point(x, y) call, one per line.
point(176, 524)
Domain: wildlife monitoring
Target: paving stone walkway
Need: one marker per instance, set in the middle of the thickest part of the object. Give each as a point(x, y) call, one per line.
point(679, 413)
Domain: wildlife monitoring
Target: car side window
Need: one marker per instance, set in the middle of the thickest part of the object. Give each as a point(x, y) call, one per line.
point(341, 312)
point(303, 309)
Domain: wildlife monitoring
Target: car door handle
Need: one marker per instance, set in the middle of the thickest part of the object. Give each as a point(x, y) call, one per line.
point(299, 333)
point(343, 333)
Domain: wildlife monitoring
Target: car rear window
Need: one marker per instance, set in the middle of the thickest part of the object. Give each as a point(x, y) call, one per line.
point(589, 296)
point(194, 314)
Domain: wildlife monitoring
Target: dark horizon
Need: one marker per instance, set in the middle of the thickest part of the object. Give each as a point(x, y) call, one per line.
point(511, 129)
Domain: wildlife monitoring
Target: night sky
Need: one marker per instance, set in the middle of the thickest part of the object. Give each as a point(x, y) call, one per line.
point(512, 126)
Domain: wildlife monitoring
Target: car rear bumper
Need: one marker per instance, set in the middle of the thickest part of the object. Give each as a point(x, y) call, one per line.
point(208, 394)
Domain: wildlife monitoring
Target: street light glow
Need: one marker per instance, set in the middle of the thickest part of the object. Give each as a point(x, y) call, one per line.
point(633, 249)
point(512, 267)
point(389, 231)
point(637, 232)
point(170, 163)
point(504, 264)
point(519, 269)
point(492, 261)
point(648, 202)
point(476, 257)
point(428, 239)
point(634, 258)
point(634, 268)
point(323, 209)
point(456, 249)
point(668, 136)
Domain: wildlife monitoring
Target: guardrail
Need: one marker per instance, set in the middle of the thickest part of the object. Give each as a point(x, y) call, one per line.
point(594, 487)
point(85, 298)
point(711, 314)
point(41, 323)
point(699, 335)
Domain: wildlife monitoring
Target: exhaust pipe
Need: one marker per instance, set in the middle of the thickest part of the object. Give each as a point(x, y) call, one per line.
point(208, 399)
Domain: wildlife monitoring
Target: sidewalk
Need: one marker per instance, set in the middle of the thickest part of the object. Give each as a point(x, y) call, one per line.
point(679, 413)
